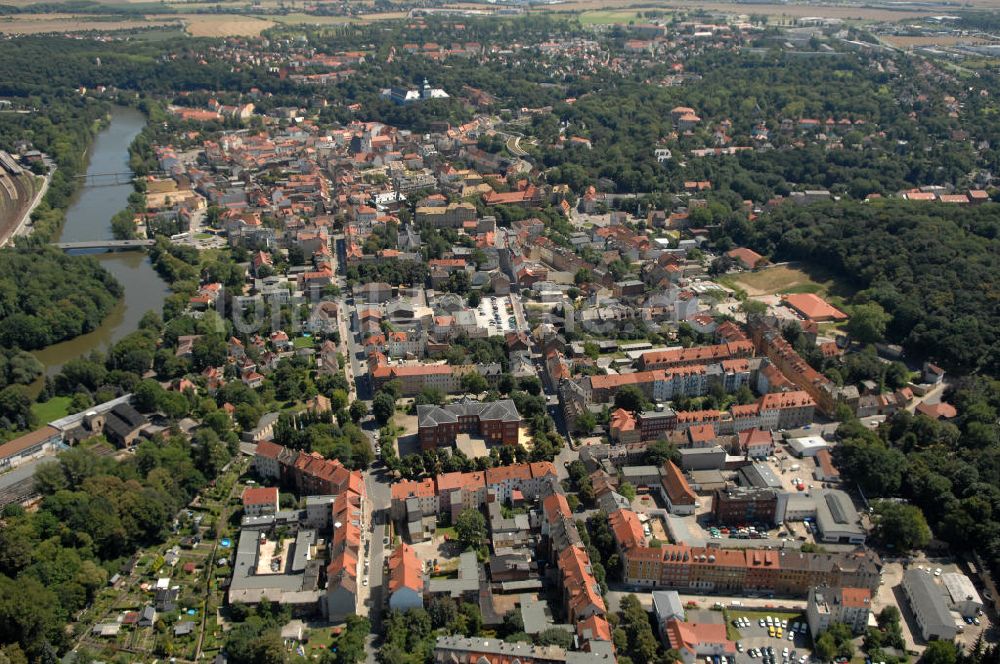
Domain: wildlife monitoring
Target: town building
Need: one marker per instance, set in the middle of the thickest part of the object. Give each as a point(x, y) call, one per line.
point(738, 505)
point(406, 579)
point(929, 606)
point(495, 421)
point(850, 606)
point(260, 501)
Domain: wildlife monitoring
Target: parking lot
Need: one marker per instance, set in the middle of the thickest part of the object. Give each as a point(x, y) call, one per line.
point(756, 636)
point(496, 314)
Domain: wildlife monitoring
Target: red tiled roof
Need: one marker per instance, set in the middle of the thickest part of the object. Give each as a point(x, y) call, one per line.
point(405, 570)
point(677, 486)
point(260, 496)
point(813, 307)
point(626, 528)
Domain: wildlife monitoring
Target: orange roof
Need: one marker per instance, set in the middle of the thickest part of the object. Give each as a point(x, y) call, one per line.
point(626, 528)
point(685, 636)
point(413, 489)
point(555, 507)
point(749, 437)
point(622, 420)
point(28, 440)
point(715, 352)
point(269, 449)
point(856, 597)
point(405, 570)
point(937, 410)
point(458, 480)
point(677, 486)
point(260, 495)
point(779, 400)
point(419, 370)
point(594, 628)
point(813, 307)
point(748, 257)
point(701, 433)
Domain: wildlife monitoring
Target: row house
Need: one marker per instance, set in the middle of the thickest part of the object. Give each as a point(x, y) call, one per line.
point(735, 571)
point(453, 492)
point(695, 355)
point(309, 473)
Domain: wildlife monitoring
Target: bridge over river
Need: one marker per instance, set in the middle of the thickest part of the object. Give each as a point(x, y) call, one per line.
point(111, 245)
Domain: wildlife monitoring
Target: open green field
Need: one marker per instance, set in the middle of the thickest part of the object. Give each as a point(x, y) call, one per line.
point(303, 342)
point(52, 409)
point(608, 17)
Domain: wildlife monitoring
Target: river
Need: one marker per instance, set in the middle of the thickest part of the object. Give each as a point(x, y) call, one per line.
point(89, 218)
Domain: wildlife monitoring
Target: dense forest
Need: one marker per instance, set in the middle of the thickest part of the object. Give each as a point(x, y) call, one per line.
point(46, 296)
point(950, 470)
point(934, 268)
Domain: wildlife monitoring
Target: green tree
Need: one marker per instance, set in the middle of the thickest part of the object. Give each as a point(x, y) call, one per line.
point(631, 399)
point(825, 647)
point(383, 407)
point(359, 409)
point(901, 526)
point(474, 383)
point(470, 527)
point(584, 424)
point(554, 637)
point(940, 652)
point(868, 322)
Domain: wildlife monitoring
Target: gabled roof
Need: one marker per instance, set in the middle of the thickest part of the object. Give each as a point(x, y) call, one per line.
point(405, 570)
point(677, 487)
point(626, 528)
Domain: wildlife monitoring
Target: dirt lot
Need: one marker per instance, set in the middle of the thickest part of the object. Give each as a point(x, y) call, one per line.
point(780, 279)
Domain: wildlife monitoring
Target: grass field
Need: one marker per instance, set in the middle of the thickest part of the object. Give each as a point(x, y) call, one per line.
point(303, 342)
point(52, 409)
point(608, 17)
point(783, 279)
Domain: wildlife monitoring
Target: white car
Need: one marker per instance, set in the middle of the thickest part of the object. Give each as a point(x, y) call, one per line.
point(761, 622)
point(365, 582)
point(791, 636)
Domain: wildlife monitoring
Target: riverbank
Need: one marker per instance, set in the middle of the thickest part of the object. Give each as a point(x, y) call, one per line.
point(88, 217)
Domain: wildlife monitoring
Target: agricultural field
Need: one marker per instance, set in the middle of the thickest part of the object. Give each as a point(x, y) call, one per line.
point(790, 11)
point(33, 24)
point(224, 25)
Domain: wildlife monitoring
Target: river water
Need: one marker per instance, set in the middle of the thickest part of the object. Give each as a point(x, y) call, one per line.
point(89, 218)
